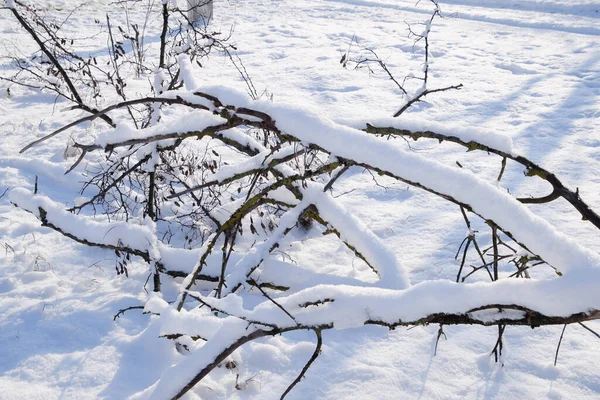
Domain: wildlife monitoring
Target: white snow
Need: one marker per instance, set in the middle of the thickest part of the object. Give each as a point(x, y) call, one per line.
point(531, 81)
point(352, 230)
point(187, 71)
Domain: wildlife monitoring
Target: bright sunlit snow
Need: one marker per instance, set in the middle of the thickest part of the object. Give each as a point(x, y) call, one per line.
point(530, 75)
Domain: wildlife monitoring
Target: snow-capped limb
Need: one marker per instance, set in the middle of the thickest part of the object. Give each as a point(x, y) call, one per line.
point(198, 124)
point(127, 237)
point(359, 148)
point(211, 124)
point(416, 126)
point(543, 302)
point(125, 134)
point(459, 186)
point(510, 302)
point(359, 238)
point(104, 112)
point(186, 71)
point(501, 146)
point(136, 239)
point(258, 253)
point(179, 379)
point(193, 100)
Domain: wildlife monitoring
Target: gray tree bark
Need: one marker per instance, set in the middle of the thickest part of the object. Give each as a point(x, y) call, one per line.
point(200, 11)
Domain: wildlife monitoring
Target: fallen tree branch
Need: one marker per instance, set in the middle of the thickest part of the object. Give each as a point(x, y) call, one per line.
point(103, 112)
point(136, 252)
point(531, 168)
point(532, 319)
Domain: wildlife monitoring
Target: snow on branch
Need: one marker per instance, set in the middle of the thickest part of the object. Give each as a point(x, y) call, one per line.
point(489, 143)
point(360, 237)
point(460, 186)
point(470, 137)
point(511, 302)
point(541, 302)
point(134, 238)
point(210, 193)
point(269, 149)
point(355, 147)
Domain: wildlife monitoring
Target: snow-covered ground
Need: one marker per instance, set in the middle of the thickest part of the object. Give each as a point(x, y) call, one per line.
point(530, 70)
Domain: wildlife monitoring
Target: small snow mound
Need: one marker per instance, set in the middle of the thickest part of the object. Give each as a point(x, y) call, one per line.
point(516, 69)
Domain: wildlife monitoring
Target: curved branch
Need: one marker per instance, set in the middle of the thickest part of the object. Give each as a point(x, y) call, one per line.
point(531, 168)
point(99, 114)
point(212, 131)
point(540, 200)
point(530, 318)
point(308, 364)
point(45, 222)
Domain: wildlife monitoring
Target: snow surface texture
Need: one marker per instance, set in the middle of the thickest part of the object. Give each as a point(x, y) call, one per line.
point(58, 298)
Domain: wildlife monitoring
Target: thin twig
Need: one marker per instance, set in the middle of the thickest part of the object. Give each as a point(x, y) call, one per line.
point(590, 329)
point(437, 340)
point(559, 342)
point(122, 311)
point(308, 364)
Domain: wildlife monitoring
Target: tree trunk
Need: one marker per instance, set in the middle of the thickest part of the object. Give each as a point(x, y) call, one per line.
point(200, 11)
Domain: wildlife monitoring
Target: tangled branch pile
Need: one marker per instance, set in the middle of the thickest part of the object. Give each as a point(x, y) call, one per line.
point(206, 184)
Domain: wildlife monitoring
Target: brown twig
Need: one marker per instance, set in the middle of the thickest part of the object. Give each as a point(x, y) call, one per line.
point(308, 364)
